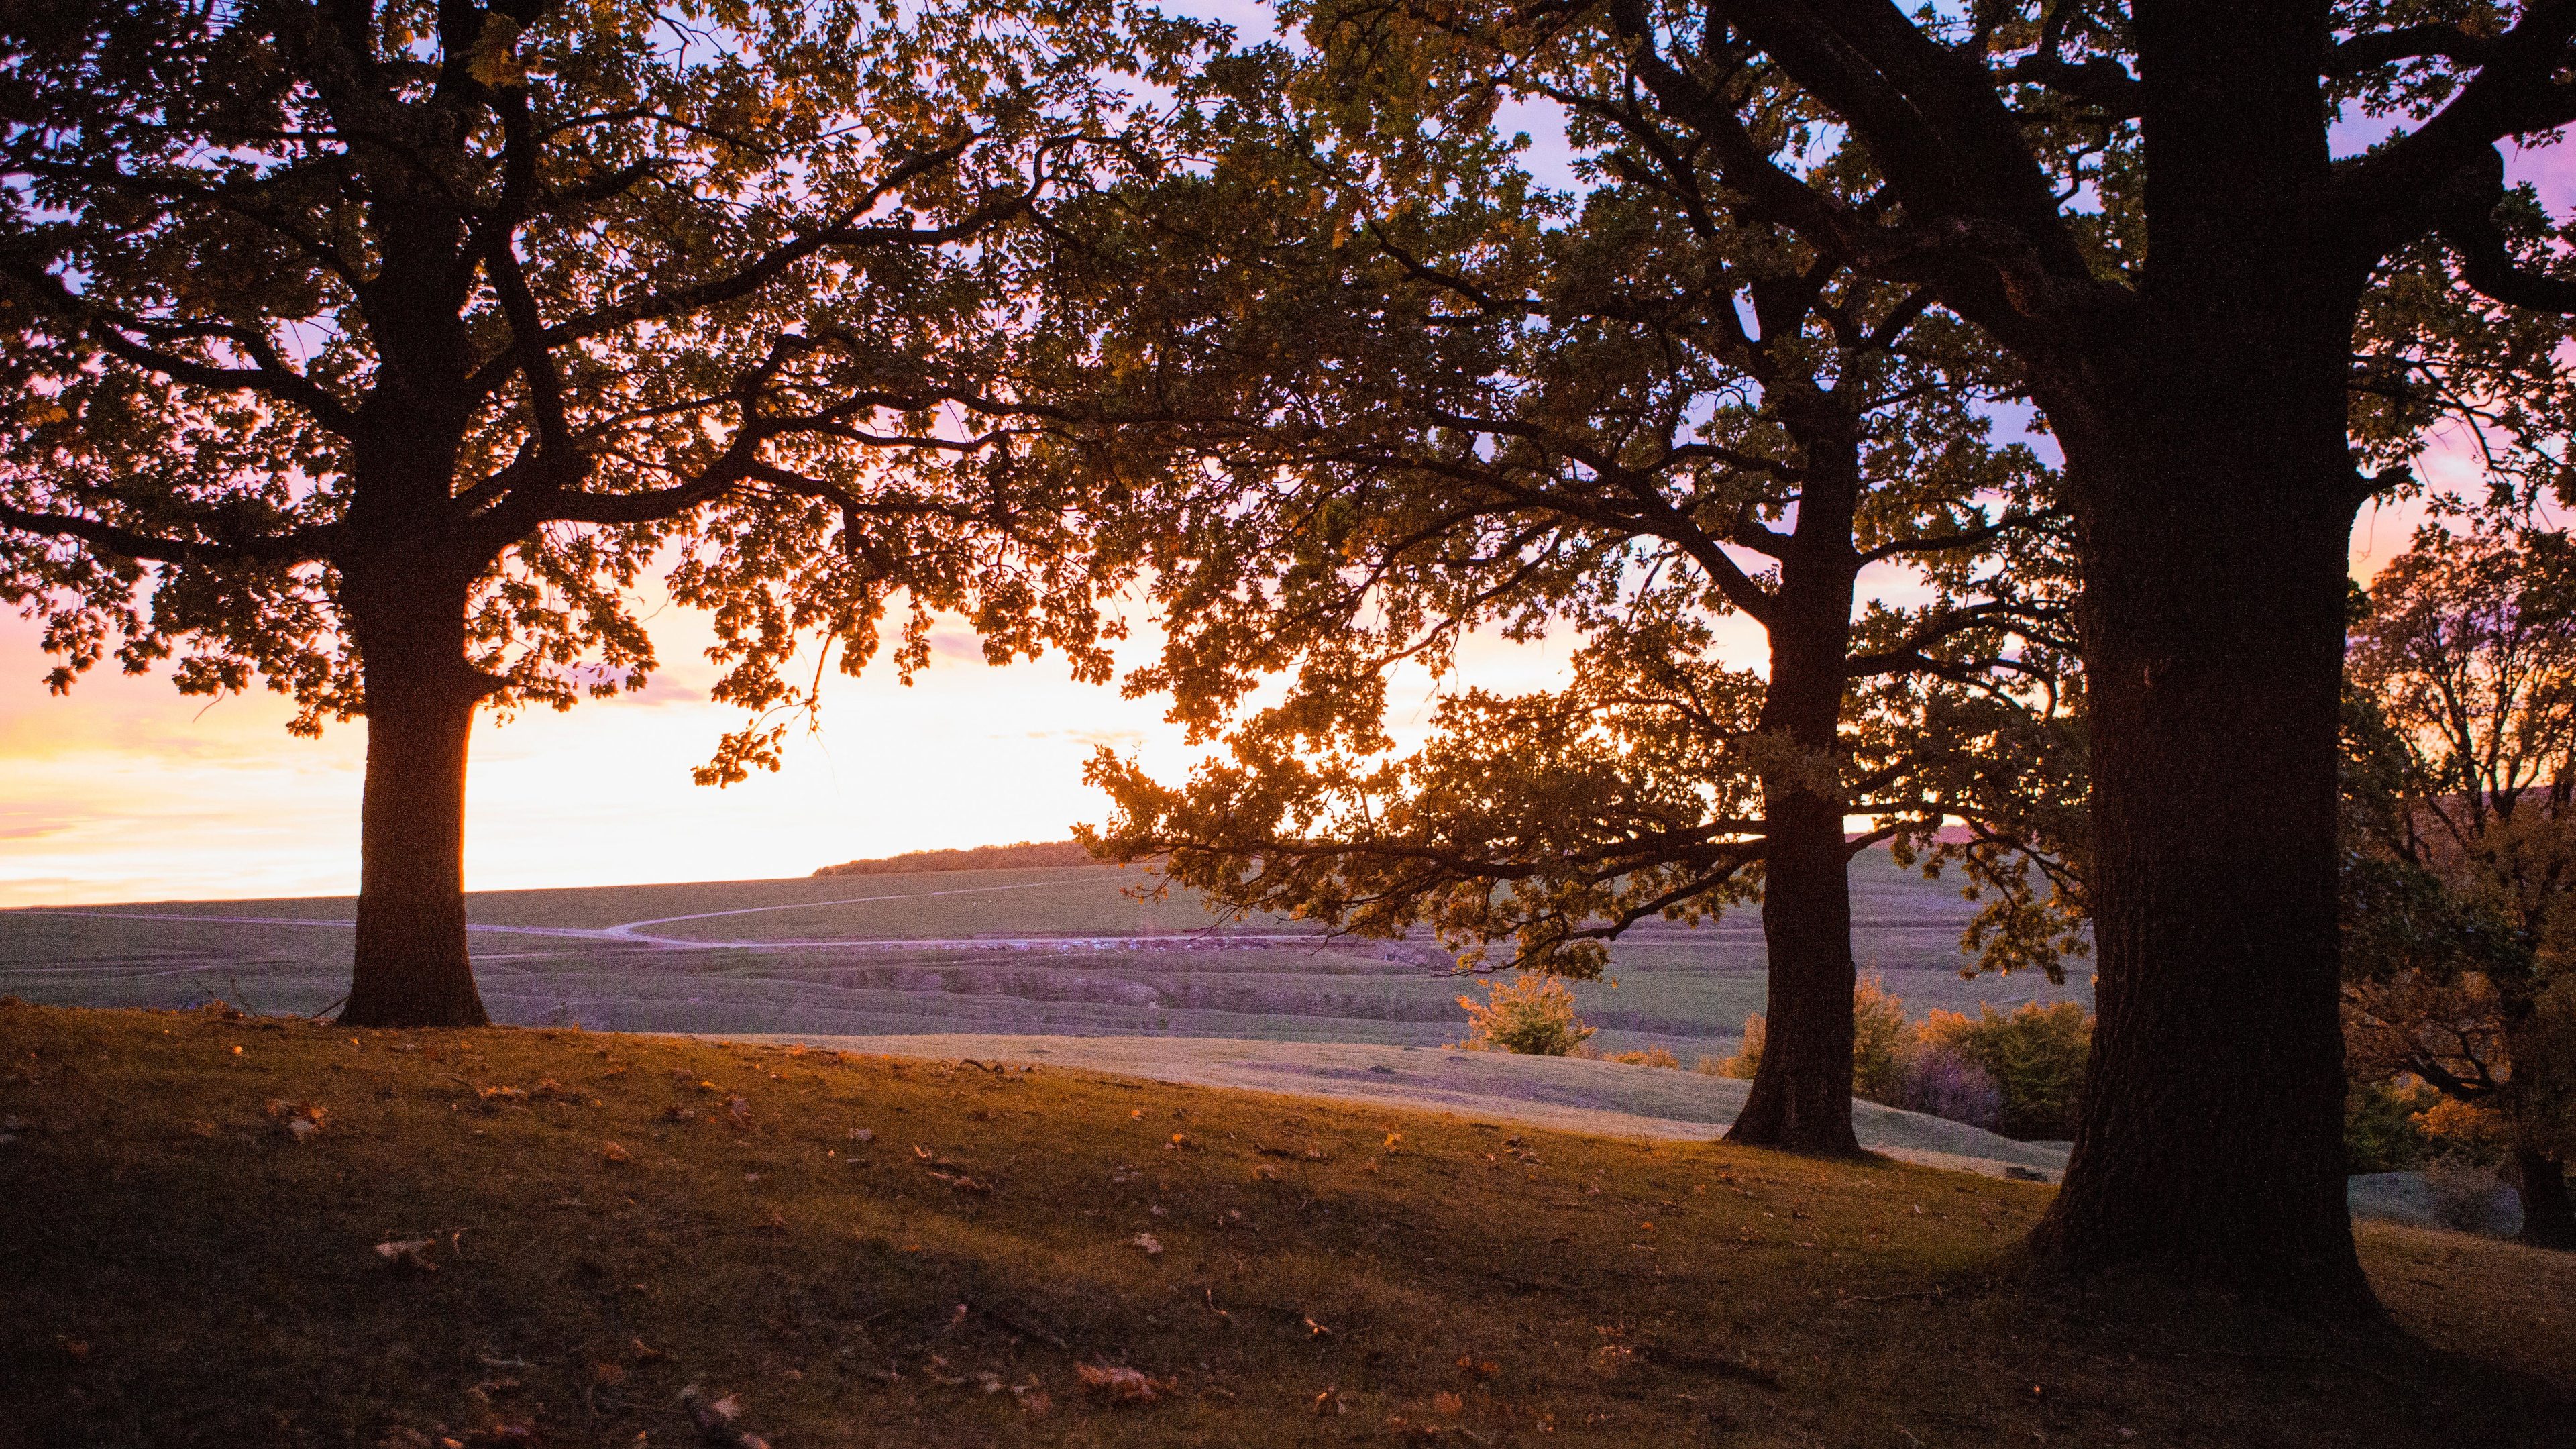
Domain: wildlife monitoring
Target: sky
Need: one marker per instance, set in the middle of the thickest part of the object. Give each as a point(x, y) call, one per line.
point(124, 790)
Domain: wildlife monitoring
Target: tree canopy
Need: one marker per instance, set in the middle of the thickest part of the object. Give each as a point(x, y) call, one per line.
point(1397, 392)
point(2460, 896)
point(377, 351)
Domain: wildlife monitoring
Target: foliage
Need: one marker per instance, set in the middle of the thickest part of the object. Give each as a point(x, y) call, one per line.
point(1395, 393)
point(2460, 821)
point(1647, 1057)
point(1747, 1057)
point(2465, 1133)
point(2380, 1130)
point(1532, 1014)
point(2021, 1073)
point(1880, 1038)
point(1940, 1079)
point(633, 285)
point(377, 351)
point(2036, 1056)
point(2465, 1193)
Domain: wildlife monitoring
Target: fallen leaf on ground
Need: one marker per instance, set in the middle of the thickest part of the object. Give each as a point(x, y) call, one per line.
point(714, 1419)
point(644, 1354)
point(615, 1153)
point(1124, 1385)
point(412, 1254)
point(1147, 1241)
point(863, 1134)
point(299, 1120)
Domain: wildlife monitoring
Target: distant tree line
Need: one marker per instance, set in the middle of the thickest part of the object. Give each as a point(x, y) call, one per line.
point(1022, 855)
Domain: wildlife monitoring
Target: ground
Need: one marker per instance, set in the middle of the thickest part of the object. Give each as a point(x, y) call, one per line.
point(514, 1235)
point(1065, 952)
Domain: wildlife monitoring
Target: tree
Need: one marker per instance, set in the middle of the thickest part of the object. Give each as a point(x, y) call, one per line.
point(1388, 421)
point(375, 350)
point(2461, 897)
point(2140, 207)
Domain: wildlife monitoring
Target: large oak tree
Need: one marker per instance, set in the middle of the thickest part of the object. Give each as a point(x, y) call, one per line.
point(1395, 393)
point(2140, 203)
point(376, 350)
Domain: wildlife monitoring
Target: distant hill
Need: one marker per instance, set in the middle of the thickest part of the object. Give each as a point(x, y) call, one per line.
point(1021, 856)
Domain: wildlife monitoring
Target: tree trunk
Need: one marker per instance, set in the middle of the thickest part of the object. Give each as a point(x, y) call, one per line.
point(2548, 1216)
point(2216, 518)
point(1801, 1097)
point(2213, 487)
point(411, 966)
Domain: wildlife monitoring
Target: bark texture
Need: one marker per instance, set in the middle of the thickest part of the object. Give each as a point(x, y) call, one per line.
point(411, 966)
point(2210, 1139)
point(1801, 1096)
point(2213, 488)
point(2548, 1214)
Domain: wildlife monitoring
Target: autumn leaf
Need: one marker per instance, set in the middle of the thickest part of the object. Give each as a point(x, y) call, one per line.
point(412, 1254)
point(1124, 1385)
point(1147, 1241)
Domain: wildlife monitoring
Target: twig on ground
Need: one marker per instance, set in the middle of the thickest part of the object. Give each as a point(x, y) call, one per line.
point(1708, 1363)
point(1937, 1293)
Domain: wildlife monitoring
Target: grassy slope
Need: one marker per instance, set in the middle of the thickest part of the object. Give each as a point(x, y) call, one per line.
point(177, 1269)
point(1685, 990)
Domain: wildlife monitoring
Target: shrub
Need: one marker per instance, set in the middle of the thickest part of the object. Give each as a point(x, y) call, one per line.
point(2380, 1133)
point(2019, 1074)
point(1881, 1037)
point(1748, 1052)
point(2464, 1132)
point(2035, 1055)
point(1533, 1016)
point(1650, 1057)
point(2465, 1194)
point(1939, 1079)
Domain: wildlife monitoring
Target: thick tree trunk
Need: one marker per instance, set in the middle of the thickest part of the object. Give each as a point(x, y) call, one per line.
point(411, 966)
point(2216, 521)
point(2548, 1216)
point(2214, 490)
point(1801, 1097)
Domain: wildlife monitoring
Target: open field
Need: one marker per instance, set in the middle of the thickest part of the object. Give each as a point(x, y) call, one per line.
point(182, 1268)
point(1054, 951)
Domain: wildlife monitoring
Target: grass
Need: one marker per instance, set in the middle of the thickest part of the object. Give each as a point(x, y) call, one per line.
point(179, 1267)
point(1686, 991)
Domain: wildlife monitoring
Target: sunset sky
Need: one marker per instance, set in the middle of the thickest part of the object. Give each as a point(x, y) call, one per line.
point(126, 791)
